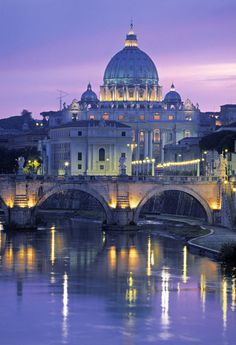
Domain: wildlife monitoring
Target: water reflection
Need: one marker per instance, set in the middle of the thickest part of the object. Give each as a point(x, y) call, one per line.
point(121, 286)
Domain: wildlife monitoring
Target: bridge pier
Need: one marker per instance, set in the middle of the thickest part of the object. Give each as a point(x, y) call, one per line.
point(122, 216)
point(21, 217)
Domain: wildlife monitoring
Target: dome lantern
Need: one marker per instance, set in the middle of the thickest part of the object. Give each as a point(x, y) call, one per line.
point(131, 38)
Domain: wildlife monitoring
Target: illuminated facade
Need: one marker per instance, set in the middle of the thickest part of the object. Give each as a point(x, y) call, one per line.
point(131, 94)
point(88, 147)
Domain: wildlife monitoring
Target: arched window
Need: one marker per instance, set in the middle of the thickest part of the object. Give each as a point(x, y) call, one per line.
point(101, 155)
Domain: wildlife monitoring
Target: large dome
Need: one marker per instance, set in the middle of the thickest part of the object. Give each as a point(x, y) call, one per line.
point(131, 65)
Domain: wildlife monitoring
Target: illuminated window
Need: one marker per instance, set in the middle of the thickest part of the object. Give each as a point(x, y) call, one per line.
point(156, 117)
point(91, 117)
point(141, 136)
point(141, 117)
point(157, 135)
point(121, 117)
point(105, 116)
point(187, 133)
point(170, 117)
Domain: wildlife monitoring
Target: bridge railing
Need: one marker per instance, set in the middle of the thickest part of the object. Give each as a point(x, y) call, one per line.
point(150, 179)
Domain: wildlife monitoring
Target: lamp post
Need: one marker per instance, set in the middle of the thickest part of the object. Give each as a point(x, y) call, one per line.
point(66, 164)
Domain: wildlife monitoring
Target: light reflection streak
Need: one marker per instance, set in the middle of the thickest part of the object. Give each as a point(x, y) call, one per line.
point(131, 292)
point(165, 298)
point(65, 310)
point(112, 257)
point(203, 291)
point(233, 294)
point(224, 301)
point(184, 275)
point(52, 256)
point(150, 257)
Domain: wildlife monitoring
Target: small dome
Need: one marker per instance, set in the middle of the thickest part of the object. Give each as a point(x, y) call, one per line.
point(131, 65)
point(89, 96)
point(172, 96)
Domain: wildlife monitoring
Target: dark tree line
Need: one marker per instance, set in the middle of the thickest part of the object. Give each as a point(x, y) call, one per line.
point(8, 158)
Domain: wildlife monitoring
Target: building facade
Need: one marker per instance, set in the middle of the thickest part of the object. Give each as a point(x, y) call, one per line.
point(87, 147)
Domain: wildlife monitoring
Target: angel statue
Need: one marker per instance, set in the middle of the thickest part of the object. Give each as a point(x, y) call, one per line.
point(21, 162)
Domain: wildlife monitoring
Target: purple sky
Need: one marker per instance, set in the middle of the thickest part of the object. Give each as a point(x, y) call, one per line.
point(63, 44)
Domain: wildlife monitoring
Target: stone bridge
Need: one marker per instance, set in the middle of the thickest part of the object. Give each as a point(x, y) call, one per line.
point(122, 198)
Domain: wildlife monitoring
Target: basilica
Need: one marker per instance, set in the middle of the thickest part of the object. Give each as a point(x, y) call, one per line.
point(130, 96)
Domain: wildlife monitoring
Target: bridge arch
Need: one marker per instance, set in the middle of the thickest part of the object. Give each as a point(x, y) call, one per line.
point(73, 187)
point(160, 189)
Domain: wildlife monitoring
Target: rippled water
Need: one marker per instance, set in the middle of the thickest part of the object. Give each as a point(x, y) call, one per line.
point(79, 285)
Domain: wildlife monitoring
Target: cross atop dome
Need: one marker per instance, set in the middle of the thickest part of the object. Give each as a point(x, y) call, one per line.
point(131, 38)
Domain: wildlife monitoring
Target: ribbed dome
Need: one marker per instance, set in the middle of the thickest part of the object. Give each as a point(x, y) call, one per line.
point(172, 96)
point(131, 65)
point(89, 96)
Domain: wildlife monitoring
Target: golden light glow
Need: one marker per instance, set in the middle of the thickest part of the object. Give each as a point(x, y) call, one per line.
point(52, 256)
point(133, 258)
point(215, 206)
point(176, 164)
point(31, 202)
point(112, 257)
point(133, 203)
point(9, 202)
point(233, 294)
point(234, 189)
point(113, 203)
point(224, 301)
point(184, 275)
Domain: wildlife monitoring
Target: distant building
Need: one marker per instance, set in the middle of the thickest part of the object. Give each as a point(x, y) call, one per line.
point(228, 114)
point(87, 147)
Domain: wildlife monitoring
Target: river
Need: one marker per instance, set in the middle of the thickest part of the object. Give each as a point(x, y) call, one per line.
point(75, 284)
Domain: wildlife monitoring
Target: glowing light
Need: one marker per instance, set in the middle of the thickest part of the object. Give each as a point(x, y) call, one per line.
point(234, 189)
point(133, 203)
point(9, 202)
point(176, 164)
point(224, 301)
point(66, 164)
point(215, 206)
point(184, 275)
point(52, 256)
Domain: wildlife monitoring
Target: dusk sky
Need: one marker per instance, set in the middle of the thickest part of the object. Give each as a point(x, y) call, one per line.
point(63, 44)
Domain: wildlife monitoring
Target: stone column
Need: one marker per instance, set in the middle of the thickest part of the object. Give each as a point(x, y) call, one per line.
point(150, 148)
point(162, 144)
point(146, 151)
point(137, 149)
